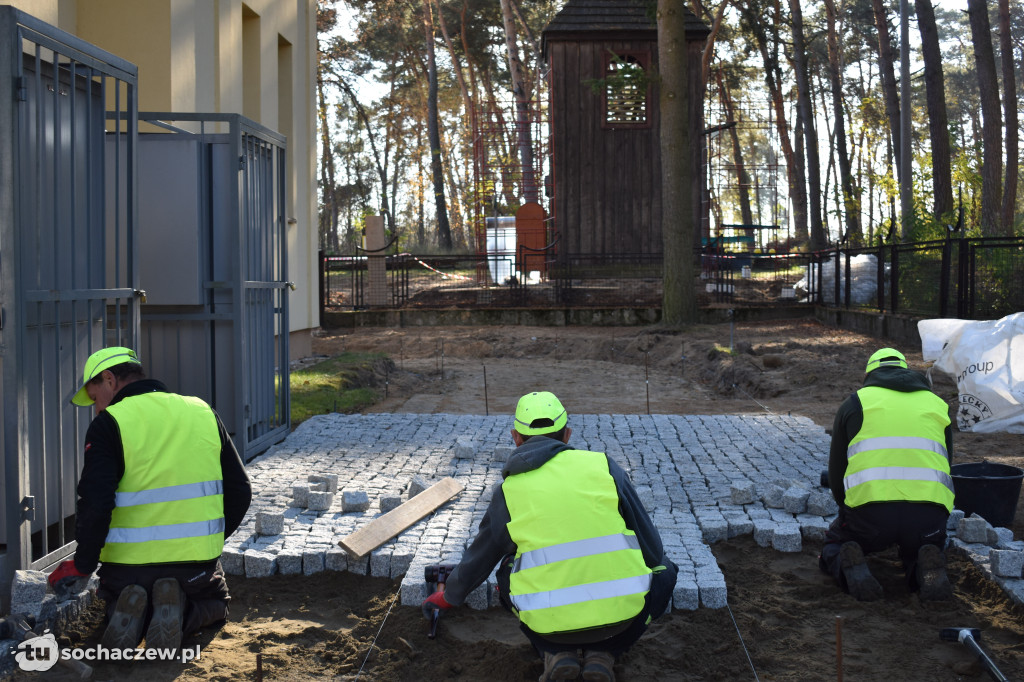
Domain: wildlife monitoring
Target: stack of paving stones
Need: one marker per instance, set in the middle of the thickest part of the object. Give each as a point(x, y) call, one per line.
point(702, 478)
point(30, 600)
point(992, 549)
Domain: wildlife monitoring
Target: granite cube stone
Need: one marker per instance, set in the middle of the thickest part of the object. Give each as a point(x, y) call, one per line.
point(972, 529)
point(336, 559)
point(685, 595)
point(713, 594)
point(400, 562)
point(359, 565)
point(289, 562)
point(464, 448)
point(320, 500)
point(232, 561)
point(328, 481)
point(764, 529)
point(821, 503)
point(714, 529)
point(413, 590)
point(991, 536)
point(417, 485)
point(28, 587)
point(300, 496)
point(742, 492)
point(259, 564)
point(269, 523)
point(953, 522)
point(1004, 536)
point(354, 501)
point(1007, 563)
point(387, 503)
point(502, 453)
point(380, 563)
point(812, 527)
point(786, 537)
point(477, 599)
point(739, 525)
point(773, 496)
point(313, 561)
point(794, 500)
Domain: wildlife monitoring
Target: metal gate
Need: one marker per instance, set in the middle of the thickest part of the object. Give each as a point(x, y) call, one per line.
point(68, 281)
point(213, 262)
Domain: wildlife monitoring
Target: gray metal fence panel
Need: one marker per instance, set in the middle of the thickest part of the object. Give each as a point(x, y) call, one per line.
point(68, 282)
point(224, 337)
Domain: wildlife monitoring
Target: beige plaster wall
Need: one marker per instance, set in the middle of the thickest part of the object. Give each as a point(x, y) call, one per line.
point(192, 58)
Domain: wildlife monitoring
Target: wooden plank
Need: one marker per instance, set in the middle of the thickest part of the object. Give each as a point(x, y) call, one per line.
point(383, 528)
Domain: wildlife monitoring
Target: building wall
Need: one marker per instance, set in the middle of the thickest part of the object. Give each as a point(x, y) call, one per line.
point(256, 58)
point(607, 179)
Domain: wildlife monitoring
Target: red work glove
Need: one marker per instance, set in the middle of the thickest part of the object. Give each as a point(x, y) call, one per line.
point(434, 602)
point(65, 574)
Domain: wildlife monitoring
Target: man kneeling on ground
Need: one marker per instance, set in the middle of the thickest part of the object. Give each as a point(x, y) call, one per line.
point(888, 469)
point(579, 561)
point(162, 485)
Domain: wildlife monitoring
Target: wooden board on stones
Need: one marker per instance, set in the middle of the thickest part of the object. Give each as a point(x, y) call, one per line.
point(385, 527)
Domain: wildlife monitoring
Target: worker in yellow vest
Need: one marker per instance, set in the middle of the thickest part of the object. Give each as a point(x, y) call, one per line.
point(579, 561)
point(162, 485)
point(888, 470)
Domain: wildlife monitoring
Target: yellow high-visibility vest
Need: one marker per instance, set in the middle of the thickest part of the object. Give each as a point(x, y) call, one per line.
point(577, 566)
point(170, 501)
point(899, 454)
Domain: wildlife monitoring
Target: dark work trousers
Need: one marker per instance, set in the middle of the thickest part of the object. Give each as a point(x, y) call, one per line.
point(617, 639)
point(206, 591)
point(877, 527)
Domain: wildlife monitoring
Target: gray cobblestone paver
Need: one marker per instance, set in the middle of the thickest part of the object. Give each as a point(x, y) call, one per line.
point(702, 478)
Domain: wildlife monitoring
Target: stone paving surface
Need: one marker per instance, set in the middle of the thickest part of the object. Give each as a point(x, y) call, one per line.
point(702, 479)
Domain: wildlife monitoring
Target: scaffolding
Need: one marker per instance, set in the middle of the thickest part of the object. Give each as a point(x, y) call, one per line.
point(747, 212)
point(502, 182)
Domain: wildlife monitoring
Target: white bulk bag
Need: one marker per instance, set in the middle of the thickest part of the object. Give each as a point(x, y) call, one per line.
point(987, 361)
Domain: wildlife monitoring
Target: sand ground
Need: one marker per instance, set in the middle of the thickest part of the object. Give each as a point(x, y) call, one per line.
point(785, 620)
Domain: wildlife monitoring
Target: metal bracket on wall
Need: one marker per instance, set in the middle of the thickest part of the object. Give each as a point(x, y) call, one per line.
point(28, 508)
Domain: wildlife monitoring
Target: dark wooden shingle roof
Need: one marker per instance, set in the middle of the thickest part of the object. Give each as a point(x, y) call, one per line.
point(580, 17)
point(602, 15)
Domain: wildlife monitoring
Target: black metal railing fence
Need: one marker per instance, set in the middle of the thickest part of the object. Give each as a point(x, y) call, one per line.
point(967, 278)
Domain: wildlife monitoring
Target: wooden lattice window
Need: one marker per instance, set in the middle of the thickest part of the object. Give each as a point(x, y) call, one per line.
point(626, 86)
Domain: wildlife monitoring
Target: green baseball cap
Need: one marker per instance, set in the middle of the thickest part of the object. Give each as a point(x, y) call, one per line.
point(885, 357)
point(99, 361)
point(539, 413)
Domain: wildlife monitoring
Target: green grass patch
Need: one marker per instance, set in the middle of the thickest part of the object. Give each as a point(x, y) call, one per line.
point(340, 384)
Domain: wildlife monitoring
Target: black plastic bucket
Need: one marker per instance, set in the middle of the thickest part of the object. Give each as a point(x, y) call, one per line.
point(987, 489)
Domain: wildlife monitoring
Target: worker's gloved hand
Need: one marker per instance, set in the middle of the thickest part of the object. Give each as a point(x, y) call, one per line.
point(434, 602)
point(65, 574)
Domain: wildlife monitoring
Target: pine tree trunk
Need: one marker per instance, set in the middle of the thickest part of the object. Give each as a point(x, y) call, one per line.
point(444, 232)
point(991, 119)
point(887, 67)
point(1012, 125)
point(806, 114)
point(938, 122)
point(678, 168)
point(520, 91)
point(850, 196)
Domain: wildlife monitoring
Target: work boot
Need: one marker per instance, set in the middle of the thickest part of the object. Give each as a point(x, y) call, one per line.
point(931, 574)
point(168, 608)
point(125, 627)
point(859, 581)
point(565, 665)
point(598, 666)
